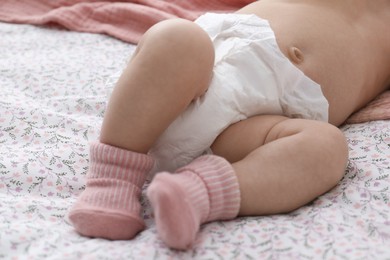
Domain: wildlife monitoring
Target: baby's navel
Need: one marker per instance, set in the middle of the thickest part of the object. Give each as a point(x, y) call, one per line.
point(295, 55)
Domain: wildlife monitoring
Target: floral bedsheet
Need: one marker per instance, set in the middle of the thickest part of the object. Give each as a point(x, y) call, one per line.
point(52, 100)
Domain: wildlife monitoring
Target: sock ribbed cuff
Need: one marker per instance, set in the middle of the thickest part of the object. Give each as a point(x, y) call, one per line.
point(118, 175)
point(196, 189)
point(109, 162)
point(221, 183)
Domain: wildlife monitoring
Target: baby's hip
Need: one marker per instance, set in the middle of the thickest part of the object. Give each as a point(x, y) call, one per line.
point(251, 77)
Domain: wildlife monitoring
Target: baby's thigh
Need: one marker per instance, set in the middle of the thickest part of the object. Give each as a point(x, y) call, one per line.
point(241, 138)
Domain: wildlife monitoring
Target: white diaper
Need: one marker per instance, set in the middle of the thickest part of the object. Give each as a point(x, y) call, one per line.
point(251, 77)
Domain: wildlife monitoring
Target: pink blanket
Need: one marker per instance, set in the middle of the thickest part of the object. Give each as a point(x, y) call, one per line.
point(378, 109)
point(129, 19)
point(125, 19)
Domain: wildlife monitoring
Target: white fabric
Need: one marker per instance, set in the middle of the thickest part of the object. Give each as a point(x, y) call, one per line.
point(251, 77)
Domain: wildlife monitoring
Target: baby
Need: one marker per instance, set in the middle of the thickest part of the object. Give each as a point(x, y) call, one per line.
point(240, 112)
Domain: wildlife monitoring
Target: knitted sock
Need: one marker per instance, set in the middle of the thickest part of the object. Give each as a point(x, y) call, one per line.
point(205, 190)
point(109, 207)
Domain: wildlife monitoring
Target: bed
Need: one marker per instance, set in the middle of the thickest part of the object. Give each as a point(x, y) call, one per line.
point(54, 85)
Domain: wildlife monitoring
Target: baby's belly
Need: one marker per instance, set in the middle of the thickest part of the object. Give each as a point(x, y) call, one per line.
point(325, 56)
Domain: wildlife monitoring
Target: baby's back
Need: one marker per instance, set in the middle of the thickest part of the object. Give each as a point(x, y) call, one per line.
point(343, 46)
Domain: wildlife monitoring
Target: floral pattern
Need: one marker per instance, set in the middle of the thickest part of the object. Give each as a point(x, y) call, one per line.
point(53, 95)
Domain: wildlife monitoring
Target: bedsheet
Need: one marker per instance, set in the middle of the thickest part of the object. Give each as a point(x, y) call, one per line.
point(53, 95)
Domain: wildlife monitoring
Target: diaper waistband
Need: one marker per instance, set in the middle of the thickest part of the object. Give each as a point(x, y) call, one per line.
point(300, 96)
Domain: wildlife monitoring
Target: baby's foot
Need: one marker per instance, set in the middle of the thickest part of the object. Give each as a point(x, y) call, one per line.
point(205, 190)
point(109, 207)
point(180, 204)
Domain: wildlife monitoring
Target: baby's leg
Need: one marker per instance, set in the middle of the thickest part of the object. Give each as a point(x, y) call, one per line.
point(172, 66)
point(282, 163)
point(278, 165)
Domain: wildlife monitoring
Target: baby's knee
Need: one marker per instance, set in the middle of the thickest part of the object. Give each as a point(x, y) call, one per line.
point(183, 47)
point(181, 38)
point(335, 140)
point(326, 144)
point(334, 148)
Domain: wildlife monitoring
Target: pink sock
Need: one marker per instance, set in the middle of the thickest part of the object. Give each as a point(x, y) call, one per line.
point(109, 207)
point(205, 190)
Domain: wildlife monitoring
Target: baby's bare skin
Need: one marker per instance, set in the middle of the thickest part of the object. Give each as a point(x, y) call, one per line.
point(281, 163)
point(333, 42)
